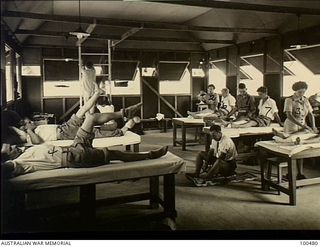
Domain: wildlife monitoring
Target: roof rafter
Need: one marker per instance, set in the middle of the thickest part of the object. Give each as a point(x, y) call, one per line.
point(245, 6)
point(133, 24)
point(117, 37)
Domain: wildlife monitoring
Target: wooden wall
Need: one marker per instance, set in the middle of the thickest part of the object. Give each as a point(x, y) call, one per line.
point(271, 47)
point(35, 102)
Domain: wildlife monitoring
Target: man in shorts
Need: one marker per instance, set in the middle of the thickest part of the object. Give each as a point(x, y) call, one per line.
point(268, 112)
point(80, 154)
point(245, 106)
point(221, 157)
point(68, 130)
point(211, 99)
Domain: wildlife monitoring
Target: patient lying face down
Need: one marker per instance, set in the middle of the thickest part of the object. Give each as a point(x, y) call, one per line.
point(80, 155)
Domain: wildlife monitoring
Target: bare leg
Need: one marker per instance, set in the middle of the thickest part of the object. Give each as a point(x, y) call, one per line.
point(280, 134)
point(130, 124)
point(249, 124)
point(98, 118)
point(88, 105)
point(299, 167)
point(101, 118)
point(201, 158)
point(213, 170)
point(133, 156)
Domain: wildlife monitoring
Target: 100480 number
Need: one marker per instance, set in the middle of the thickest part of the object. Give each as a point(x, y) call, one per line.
point(309, 243)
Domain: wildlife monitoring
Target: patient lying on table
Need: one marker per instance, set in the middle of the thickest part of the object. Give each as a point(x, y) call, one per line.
point(67, 131)
point(221, 159)
point(80, 154)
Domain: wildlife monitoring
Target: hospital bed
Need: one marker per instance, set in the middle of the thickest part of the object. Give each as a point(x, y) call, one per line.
point(87, 179)
point(127, 140)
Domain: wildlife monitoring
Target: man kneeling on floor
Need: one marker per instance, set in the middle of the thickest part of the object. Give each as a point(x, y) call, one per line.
point(219, 160)
point(81, 154)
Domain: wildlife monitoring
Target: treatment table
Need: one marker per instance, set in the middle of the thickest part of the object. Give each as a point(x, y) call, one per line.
point(87, 178)
point(127, 140)
point(184, 123)
point(291, 153)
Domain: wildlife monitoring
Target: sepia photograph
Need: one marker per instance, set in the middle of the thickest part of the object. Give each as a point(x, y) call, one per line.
point(160, 120)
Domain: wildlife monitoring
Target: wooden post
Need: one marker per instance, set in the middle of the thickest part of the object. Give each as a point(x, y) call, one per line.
point(154, 192)
point(292, 166)
point(88, 202)
point(169, 196)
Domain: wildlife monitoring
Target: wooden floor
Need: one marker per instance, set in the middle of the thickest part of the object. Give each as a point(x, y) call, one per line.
point(237, 206)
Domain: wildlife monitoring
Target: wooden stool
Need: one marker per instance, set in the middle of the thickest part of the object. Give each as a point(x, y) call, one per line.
point(280, 164)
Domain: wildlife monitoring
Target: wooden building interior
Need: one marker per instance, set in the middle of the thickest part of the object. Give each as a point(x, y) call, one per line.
point(163, 53)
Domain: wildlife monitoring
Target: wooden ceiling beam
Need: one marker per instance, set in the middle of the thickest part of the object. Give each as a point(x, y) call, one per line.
point(39, 45)
point(134, 24)
point(245, 6)
point(117, 37)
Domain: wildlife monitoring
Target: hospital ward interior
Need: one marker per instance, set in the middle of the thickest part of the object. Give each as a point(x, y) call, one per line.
point(153, 116)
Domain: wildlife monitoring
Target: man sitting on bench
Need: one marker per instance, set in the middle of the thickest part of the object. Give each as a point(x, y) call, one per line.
point(80, 154)
point(211, 99)
point(268, 111)
point(221, 157)
point(67, 131)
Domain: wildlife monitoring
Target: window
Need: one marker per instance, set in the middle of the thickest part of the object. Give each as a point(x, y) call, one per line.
point(124, 70)
point(302, 66)
point(198, 73)
point(61, 77)
point(18, 75)
point(148, 71)
point(175, 78)
point(31, 70)
point(9, 74)
point(217, 74)
point(251, 68)
point(172, 70)
point(125, 87)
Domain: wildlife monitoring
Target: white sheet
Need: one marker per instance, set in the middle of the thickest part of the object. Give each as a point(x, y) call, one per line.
point(237, 132)
point(190, 120)
point(129, 138)
point(288, 148)
point(168, 164)
point(293, 138)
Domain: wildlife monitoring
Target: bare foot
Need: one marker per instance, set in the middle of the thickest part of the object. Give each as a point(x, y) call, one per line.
point(157, 153)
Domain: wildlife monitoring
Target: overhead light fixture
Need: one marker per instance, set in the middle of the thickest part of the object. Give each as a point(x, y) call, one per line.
point(80, 33)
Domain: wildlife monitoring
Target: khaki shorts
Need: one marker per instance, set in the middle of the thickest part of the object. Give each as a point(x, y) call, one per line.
point(81, 154)
point(262, 121)
point(69, 129)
